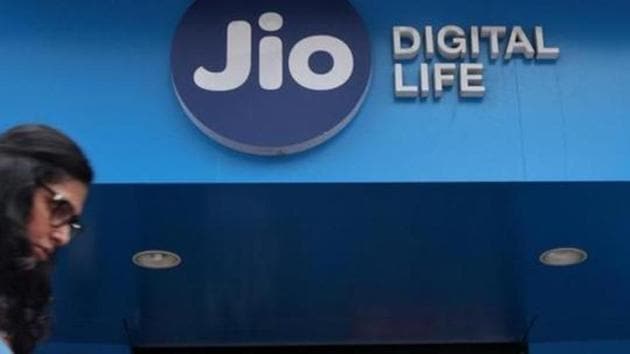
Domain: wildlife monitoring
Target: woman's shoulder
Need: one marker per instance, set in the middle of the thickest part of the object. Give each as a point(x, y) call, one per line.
point(4, 349)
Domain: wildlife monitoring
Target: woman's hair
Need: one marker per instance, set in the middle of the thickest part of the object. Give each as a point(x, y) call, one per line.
point(30, 155)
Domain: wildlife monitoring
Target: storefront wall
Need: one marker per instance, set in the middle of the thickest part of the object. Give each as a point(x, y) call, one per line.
point(100, 71)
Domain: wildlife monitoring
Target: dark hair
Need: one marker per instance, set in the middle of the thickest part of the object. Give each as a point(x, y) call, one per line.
point(29, 156)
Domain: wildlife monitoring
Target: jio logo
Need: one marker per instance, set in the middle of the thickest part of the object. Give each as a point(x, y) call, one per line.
point(239, 63)
point(271, 77)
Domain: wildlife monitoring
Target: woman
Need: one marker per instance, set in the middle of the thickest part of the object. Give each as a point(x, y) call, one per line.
point(44, 179)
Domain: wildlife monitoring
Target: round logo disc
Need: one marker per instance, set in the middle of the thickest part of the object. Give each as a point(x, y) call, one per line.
point(271, 77)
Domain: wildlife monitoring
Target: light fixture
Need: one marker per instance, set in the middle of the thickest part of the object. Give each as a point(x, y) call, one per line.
point(156, 259)
point(563, 257)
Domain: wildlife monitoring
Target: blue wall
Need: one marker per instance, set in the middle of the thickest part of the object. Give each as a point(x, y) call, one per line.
point(82, 348)
point(612, 347)
point(603, 347)
point(100, 70)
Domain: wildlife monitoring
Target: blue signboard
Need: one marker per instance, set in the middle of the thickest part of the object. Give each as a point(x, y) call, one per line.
point(107, 81)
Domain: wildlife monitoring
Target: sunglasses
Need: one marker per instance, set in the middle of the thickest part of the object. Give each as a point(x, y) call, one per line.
point(62, 212)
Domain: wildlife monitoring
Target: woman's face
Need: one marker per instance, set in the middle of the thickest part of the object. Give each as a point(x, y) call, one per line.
point(55, 212)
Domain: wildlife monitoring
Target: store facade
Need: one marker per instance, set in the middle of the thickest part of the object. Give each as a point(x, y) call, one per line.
point(342, 172)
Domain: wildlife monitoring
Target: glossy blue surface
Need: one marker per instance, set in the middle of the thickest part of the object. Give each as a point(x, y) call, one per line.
point(348, 263)
point(100, 70)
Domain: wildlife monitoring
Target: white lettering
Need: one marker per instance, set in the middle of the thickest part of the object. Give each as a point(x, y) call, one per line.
point(238, 61)
point(542, 52)
point(401, 90)
point(519, 44)
point(454, 43)
point(343, 63)
point(270, 53)
point(474, 42)
point(424, 80)
point(458, 47)
point(443, 75)
point(471, 80)
point(429, 50)
point(494, 33)
point(403, 32)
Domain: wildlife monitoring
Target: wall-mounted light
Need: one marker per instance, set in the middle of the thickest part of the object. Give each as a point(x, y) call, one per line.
point(563, 257)
point(156, 259)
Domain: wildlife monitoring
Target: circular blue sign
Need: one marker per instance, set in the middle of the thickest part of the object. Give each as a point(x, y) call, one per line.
point(271, 77)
